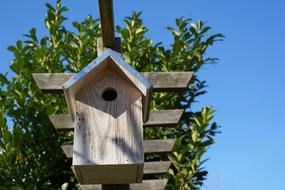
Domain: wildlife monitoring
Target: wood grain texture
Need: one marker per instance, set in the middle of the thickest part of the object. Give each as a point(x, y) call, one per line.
point(107, 22)
point(101, 48)
point(116, 186)
point(113, 61)
point(162, 81)
point(158, 146)
point(62, 122)
point(169, 81)
point(150, 146)
point(158, 167)
point(162, 118)
point(154, 184)
point(51, 82)
point(108, 139)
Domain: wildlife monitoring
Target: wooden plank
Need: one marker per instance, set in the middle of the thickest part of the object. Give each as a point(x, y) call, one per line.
point(51, 82)
point(169, 81)
point(162, 118)
point(116, 186)
point(162, 81)
point(154, 184)
point(107, 22)
point(150, 146)
point(159, 167)
point(62, 122)
point(158, 146)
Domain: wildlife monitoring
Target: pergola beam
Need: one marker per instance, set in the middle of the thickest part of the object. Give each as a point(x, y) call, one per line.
point(107, 23)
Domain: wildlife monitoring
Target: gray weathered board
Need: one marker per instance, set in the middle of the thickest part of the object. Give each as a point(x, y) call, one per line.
point(155, 167)
point(161, 81)
point(162, 118)
point(153, 184)
point(150, 146)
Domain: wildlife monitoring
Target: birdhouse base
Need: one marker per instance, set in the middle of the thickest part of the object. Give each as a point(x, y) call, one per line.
point(109, 174)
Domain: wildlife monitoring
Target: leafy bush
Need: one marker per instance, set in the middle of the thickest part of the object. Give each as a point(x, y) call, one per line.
point(30, 154)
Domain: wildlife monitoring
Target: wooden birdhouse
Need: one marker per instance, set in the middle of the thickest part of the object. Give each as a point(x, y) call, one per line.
point(109, 102)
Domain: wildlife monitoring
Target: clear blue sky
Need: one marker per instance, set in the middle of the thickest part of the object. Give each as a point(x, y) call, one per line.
point(246, 87)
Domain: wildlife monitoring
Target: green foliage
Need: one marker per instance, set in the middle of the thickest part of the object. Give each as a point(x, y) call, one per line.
point(30, 154)
point(191, 145)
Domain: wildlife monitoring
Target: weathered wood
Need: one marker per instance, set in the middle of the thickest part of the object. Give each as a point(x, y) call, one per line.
point(150, 146)
point(116, 187)
point(158, 167)
point(161, 81)
point(52, 82)
point(62, 122)
point(154, 184)
point(158, 146)
point(169, 81)
point(101, 48)
point(109, 60)
point(108, 136)
point(162, 118)
point(107, 22)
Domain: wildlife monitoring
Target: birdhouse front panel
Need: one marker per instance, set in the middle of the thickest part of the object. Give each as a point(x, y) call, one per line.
point(108, 138)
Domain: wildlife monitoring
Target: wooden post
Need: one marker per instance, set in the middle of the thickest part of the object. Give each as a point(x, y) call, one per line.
point(101, 48)
point(107, 22)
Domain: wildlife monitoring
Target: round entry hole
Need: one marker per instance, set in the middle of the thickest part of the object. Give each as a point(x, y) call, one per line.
point(109, 94)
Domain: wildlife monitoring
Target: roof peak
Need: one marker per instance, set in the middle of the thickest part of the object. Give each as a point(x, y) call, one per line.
point(116, 57)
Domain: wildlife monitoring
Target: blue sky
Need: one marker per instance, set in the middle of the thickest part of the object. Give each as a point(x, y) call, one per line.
point(246, 87)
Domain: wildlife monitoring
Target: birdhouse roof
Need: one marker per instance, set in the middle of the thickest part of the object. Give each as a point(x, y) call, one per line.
point(73, 85)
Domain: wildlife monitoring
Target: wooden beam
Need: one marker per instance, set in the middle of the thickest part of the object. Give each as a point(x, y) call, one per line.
point(158, 146)
point(159, 167)
point(162, 118)
point(162, 81)
point(62, 122)
point(169, 81)
point(51, 82)
point(101, 48)
point(107, 22)
point(153, 184)
point(150, 146)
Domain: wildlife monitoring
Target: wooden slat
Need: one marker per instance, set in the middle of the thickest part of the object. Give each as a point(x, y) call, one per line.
point(150, 146)
point(107, 22)
point(158, 146)
point(156, 167)
point(162, 118)
point(169, 81)
point(51, 82)
point(116, 186)
point(62, 122)
point(154, 184)
point(162, 81)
